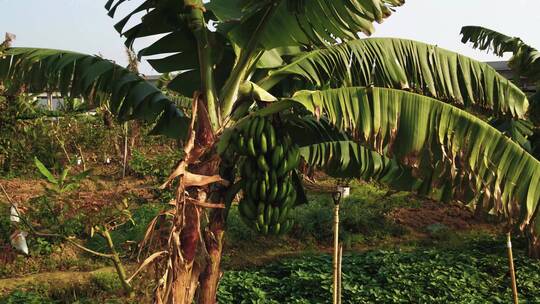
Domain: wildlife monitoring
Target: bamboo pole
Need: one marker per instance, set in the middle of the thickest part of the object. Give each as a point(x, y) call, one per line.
point(337, 198)
point(339, 271)
point(511, 267)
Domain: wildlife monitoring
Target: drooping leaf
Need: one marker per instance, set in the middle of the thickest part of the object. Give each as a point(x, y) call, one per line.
point(299, 22)
point(97, 80)
point(485, 39)
point(518, 130)
point(525, 61)
point(337, 154)
point(177, 46)
point(44, 171)
point(409, 65)
point(474, 160)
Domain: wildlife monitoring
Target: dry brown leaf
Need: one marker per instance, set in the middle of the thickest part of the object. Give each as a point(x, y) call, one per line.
point(147, 262)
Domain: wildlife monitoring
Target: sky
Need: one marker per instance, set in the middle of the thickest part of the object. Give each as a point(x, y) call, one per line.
point(83, 25)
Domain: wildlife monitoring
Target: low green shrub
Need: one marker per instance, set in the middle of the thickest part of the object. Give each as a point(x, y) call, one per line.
point(26, 297)
point(476, 275)
point(127, 236)
point(5, 224)
point(107, 281)
point(362, 216)
point(158, 166)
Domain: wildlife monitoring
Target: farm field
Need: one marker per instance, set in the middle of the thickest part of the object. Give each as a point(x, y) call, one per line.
point(397, 247)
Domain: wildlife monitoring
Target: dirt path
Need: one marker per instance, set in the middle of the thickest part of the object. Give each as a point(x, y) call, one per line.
point(58, 279)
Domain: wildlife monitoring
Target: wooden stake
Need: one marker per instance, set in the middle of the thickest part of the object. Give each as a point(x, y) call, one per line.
point(339, 271)
point(337, 198)
point(511, 267)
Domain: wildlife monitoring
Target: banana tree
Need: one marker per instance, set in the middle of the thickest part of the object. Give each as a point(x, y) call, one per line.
point(272, 80)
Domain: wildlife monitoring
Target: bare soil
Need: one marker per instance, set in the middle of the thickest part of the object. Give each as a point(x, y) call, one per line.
point(452, 215)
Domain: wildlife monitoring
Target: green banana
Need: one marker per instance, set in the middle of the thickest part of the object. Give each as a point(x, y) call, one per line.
point(253, 126)
point(275, 215)
point(267, 180)
point(260, 208)
point(262, 190)
point(265, 229)
point(273, 192)
point(251, 147)
point(282, 169)
point(268, 212)
point(241, 144)
point(277, 156)
point(284, 214)
point(263, 165)
point(282, 192)
point(291, 198)
point(274, 229)
point(270, 136)
point(263, 145)
point(260, 127)
point(293, 158)
point(260, 220)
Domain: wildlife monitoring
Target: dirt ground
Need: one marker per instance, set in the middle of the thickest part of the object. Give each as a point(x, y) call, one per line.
point(452, 215)
point(95, 191)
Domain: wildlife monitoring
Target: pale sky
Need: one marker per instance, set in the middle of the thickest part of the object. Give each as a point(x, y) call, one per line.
point(83, 25)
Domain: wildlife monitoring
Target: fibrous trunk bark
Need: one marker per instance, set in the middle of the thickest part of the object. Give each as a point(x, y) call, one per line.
point(213, 238)
point(195, 270)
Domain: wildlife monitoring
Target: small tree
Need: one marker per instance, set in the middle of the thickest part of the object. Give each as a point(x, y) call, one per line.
point(280, 79)
point(56, 214)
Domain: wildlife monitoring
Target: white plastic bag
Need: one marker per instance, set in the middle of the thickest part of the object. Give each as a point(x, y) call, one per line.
point(18, 241)
point(14, 216)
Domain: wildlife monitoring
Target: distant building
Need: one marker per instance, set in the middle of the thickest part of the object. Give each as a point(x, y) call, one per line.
point(502, 68)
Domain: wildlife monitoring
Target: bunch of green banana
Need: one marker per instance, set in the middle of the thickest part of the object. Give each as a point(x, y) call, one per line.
point(265, 169)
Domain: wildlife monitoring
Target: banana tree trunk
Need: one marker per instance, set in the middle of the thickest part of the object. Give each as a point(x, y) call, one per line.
point(183, 246)
point(213, 238)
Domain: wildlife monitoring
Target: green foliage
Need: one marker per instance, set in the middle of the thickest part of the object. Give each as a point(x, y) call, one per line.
point(107, 281)
point(474, 275)
point(421, 131)
point(52, 209)
point(362, 216)
point(159, 166)
point(40, 246)
point(26, 297)
point(5, 223)
point(127, 236)
point(49, 140)
point(64, 182)
point(237, 231)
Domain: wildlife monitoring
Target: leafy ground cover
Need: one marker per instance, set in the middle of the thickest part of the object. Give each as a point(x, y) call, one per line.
point(438, 275)
point(475, 271)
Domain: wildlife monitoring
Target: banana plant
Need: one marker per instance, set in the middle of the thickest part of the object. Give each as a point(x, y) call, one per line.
point(64, 183)
point(298, 72)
